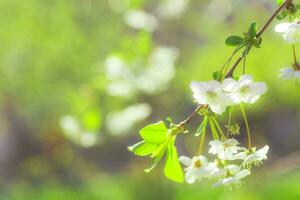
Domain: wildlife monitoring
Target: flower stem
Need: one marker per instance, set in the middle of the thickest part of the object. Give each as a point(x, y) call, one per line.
point(247, 125)
point(202, 142)
point(219, 127)
point(213, 129)
point(229, 121)
point(294, 54)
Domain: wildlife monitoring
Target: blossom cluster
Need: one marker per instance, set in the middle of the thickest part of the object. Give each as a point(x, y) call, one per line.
point(290, 32)
point(221, 170)
point(220, 95)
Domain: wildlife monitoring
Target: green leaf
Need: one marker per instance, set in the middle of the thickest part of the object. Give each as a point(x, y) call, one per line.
point(143, 148)
point(234, 40)
point(217, 75)
point(252, 30)
point(173, 169)
point(154, 133)
point(202, 127)
point(159, 153)
point(279, 2)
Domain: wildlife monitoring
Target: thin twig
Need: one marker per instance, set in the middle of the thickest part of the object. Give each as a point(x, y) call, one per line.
point(259, 34)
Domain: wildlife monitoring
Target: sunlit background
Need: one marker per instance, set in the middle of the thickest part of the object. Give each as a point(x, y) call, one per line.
point(79, 78)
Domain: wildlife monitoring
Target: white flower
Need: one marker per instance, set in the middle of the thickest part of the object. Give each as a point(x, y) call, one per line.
point(225, 150)
point(215, 170)
point(233, 179)
point(196, 168)
point(289, 73)
point(244, 90)
point(256, 157)
point(290, 31)
point(139, 19)
point(211, 93)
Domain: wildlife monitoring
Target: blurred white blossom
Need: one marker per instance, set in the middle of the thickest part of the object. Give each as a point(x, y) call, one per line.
point(139, 19)
point(73, 130)
point(172, 8)
point(290, 31)
point(119, 123)
point(289, 73)
point(160, 71)
point(155, 76)
point(220, 9)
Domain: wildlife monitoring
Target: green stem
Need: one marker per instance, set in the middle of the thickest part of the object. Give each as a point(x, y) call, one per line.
point(229, 121)
point(247, 125)
point(219, 128)
point(294, 54)
point(202, 142)
point(213, 129)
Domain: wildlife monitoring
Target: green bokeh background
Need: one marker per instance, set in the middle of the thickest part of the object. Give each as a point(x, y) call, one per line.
point(52, 59)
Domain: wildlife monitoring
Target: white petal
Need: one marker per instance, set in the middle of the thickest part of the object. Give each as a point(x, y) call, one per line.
point(231, 142)
point(243, 174)
point(190, 176)
point(198, 87)
point(297, 74)
point(186, 160)
point(287, 73)
point(218, 109)
point(213, 85)
point(258, 88)
point(246, 78)
point(282, 27)
point(263, 152)
point(216, 146)
point(201, 98)
point(228, 84)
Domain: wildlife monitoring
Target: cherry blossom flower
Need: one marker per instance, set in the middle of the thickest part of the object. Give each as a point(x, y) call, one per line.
point(244, 90)
point(215, 170)
point(289, 73)
point(197, 168)
point(211, 93)
point(234, 176)
point(226, 150)
point(256, 157)
point(290, 31)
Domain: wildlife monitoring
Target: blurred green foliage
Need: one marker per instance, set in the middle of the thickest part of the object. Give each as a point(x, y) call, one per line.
point(52, 64)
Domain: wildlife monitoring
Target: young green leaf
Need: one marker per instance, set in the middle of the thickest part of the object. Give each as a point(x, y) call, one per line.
point(202, 126)
point(279, 2)
point(154, 133)
point(143, 148)
point(234, 40)
point(173, 169)
point(157, 155)
point(252, 30)
point(217, 75)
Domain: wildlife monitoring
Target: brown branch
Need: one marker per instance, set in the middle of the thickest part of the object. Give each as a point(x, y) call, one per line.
point(260, 32)
point(189, 118)
point(287, 3)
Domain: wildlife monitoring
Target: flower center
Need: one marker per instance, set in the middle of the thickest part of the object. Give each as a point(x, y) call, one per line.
point(197, 164)
point(244, 89)
point(211, 94)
